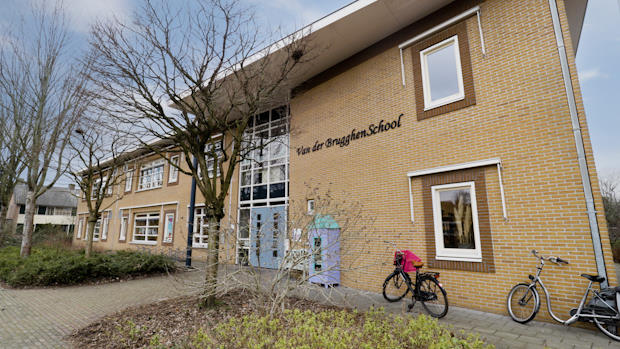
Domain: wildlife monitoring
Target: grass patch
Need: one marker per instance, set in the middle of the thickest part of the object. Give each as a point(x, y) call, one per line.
point(49, 266)
point(180, 323)
point(332, 329)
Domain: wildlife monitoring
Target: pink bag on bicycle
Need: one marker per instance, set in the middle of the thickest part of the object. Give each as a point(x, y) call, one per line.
point(408, 259)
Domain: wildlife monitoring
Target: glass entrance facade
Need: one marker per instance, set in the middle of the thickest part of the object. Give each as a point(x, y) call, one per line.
point(264, 173)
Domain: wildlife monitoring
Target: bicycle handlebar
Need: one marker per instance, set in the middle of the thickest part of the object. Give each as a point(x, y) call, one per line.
point(552, 259)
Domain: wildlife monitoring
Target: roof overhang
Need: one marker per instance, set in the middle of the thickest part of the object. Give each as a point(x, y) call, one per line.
point(349, 30)
point(575, 12)
point(357, 26)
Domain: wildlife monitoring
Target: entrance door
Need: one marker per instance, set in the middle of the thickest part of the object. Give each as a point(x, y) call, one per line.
point(267, 236)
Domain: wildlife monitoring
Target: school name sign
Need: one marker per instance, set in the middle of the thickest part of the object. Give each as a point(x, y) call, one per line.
point(344, 141)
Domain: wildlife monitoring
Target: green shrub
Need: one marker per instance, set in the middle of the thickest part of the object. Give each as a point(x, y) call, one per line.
point(49, 266)
point(332, 329)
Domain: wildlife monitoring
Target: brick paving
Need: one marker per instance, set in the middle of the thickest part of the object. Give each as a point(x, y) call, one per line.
point(41, 318)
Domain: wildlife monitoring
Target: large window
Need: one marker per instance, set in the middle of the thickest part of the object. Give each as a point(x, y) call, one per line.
point(146, 228)
point(151, 175)
point(442, 78)
point(455, 213)
point(264, 171)
point(201, 229)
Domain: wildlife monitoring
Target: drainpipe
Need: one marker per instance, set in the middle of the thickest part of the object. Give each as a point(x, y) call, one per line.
point(190, 220)
point(581, 154)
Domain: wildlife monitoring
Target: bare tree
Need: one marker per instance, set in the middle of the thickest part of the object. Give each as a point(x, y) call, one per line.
point(13, 113)
point(11, 154)
point(53, 99)
point(610, 185)
point(331, 238)
point(207, 60)
point(97, 167)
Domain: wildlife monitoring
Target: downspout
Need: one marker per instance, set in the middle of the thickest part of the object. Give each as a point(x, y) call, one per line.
point(581, 154)
point(190, 219)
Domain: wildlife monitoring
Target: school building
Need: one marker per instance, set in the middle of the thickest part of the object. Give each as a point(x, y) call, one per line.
point(460, 127)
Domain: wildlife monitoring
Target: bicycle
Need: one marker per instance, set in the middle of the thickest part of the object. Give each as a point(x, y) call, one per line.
point(427, 289)
point(602, 308)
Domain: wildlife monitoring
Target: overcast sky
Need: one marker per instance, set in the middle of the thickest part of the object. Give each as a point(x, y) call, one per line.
point(597, 58)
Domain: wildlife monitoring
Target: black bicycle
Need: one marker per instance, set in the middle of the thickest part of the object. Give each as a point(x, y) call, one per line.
point(427, 289)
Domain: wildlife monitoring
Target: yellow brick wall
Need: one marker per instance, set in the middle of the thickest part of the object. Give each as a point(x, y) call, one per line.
point(521, 116)
point(176, 198)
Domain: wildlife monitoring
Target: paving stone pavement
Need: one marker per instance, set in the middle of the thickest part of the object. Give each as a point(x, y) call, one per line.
point(41, 318)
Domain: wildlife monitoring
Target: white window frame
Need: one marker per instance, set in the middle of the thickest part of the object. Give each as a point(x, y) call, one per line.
point(173, 172)
point(80, 227)
point(123, 230)
point(128, 180)
point(210, 162)
point(96, 230)
point(428, 102)
point(201, 231)
point(168, 234)
point(251, 164)
point(105, 225)
point(147, 217)
point(154, 183)
point(455, 254)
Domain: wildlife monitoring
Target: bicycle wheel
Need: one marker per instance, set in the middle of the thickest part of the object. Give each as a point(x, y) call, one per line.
point(609, 327)
point(523, 303)
point(395, 287)
point(433, 297)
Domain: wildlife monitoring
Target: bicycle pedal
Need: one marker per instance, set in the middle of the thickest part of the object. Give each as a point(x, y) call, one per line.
point(410, 306)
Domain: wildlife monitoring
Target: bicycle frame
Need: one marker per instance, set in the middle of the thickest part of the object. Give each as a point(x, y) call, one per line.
point(579, 313)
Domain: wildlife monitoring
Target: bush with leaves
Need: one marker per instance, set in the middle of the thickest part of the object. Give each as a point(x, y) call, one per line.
point(48, 266)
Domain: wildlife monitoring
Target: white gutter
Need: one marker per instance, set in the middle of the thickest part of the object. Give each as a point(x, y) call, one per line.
point(462, 166)
point(457, 18)
point(581, 154)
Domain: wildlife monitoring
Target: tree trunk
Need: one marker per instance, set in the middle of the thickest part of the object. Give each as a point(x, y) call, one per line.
point(4, 226)
point(28, 224)
point(90, 230)
point(212, 262)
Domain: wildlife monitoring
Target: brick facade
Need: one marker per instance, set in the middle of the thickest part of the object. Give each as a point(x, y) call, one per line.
point(519, 114)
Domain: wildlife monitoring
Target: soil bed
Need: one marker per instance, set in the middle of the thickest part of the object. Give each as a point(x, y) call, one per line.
point(239, 322)
point(173, 321)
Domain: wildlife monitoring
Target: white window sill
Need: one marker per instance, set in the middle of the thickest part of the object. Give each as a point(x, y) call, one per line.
point(441, 103)
point(152, 243)
point(459, 259)
point(147, 189)
point(200, 246)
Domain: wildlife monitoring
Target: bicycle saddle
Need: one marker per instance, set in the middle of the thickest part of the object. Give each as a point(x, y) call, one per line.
point(417, 264)
point(593, 278)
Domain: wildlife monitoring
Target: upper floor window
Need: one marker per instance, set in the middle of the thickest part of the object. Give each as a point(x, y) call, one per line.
point(211, 161)
point(128, 179)
point(173, 174)
point(442, 78)
point(151, 175)
point(442, 72)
